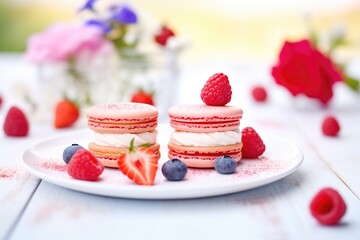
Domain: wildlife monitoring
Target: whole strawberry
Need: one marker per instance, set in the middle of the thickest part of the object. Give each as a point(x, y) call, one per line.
point(142, 97)
point(163, 35)
point(16, 123)
point(84, 166)
point(217, 90)
point(253, 145)
point(66, 114)
point(139, 164)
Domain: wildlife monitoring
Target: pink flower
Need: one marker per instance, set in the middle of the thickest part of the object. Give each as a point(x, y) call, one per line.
point(64, 40)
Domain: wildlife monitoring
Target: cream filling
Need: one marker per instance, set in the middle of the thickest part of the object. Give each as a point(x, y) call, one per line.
point(123, 139)
point(206, 139)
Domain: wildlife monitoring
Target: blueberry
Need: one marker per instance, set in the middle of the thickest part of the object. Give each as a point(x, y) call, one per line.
point(69, 152)
point(225, 165)
point(174, 170)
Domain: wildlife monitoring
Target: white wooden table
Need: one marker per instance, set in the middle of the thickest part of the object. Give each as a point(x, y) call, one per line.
point(34, 209)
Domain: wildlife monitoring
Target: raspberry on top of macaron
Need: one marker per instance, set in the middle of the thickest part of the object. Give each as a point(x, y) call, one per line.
point(204, 132)
point(217, 90)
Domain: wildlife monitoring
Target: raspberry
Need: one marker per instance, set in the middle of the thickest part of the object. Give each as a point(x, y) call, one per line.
point(84, 166)
point(253, 145)
point(330, 126)
point(217, 90)
point(259, 94)
point(327, 206)
point(16, 123)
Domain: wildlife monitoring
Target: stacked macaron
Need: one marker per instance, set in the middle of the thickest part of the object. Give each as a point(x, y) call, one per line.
point(204, 132)
point(116, 124)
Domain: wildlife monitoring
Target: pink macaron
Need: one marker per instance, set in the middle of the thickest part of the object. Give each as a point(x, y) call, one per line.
point(122, 117)
point(108, 155)
point(116, 124)
point(204, 118)
point(203, 133)
point(203, 157)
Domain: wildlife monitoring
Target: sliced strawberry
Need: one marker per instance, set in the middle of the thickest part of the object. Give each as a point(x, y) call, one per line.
point(139, 164)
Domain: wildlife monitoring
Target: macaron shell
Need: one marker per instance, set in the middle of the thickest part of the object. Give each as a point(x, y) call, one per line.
point(213, 150)
point(122, 128)
point(205, 127)
point(203, 113)
point(198, 161)
point(203, 118)
point(203, 157)
point(122, 118)
point(109, 162)
point(108, 155)
point(126, 112)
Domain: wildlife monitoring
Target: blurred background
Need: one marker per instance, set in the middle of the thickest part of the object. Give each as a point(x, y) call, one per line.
point(240, 38)
point(218, 29)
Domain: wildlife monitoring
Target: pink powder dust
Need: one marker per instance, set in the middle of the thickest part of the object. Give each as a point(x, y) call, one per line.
point(199, 172)
point(258, 166)
point(7, 173)
point(54, 166)
point(246, 168)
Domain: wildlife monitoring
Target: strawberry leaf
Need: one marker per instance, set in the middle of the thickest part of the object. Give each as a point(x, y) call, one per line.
point(145, 145)
point(132, 145)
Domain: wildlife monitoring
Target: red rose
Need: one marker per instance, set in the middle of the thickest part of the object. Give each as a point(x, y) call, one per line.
point(304, 69)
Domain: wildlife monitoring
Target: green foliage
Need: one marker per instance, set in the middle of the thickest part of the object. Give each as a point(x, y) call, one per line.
point(13, 29)
point(352, 83)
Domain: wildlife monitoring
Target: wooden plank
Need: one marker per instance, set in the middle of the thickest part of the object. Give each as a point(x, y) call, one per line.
point(17, 185)
point(340, 153)
point(277, 211)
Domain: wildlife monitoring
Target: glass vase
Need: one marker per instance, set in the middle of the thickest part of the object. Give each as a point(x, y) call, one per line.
point(112, 79)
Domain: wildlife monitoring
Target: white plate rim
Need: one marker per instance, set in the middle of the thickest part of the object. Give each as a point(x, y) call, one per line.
point(134, 191)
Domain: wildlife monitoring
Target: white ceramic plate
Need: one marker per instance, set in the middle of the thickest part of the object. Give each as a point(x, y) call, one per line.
point(280, 159)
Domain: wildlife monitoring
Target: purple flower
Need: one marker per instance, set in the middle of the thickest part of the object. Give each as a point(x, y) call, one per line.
point(89, 5)
point(103, 26)
point(124, 15)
